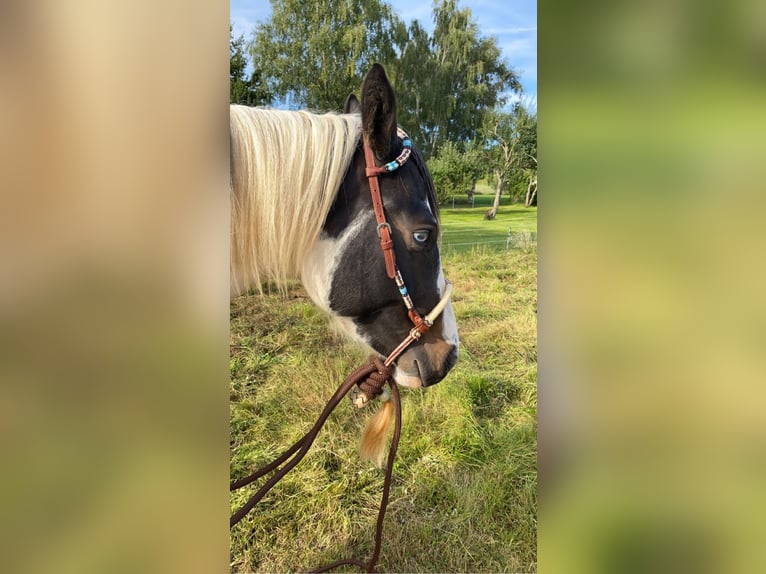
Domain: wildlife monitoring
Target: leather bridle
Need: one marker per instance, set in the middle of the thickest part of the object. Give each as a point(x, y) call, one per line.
point(372, 171)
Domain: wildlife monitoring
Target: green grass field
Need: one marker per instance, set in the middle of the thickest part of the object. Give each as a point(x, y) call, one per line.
point(464, 492)
point(464, 228)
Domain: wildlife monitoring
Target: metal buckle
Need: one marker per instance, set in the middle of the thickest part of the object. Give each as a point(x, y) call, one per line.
point(384, 224)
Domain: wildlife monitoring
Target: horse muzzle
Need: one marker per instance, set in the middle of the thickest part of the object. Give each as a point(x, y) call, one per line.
point(430, 359)
point(425, 364)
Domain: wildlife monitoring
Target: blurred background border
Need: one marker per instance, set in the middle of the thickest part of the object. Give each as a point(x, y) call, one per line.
point(115, 300)
point(652, 309)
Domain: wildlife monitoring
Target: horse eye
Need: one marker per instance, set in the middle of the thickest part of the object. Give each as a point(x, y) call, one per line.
point(421, 236)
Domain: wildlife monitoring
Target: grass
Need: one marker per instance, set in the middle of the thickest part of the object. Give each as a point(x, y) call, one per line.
point(464, 491)
point(464, 228)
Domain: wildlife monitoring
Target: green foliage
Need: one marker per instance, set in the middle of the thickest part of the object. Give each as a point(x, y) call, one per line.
point(528, 142)
point(515, 182)
point(510, 139)
point(245, 90)
point(446, 83)
point(412, 76)
point(454, 172)
point(516, 185)
point(316, 53)
point(313, 54)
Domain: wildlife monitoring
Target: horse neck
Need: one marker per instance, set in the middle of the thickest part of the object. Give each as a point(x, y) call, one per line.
point(286, 169)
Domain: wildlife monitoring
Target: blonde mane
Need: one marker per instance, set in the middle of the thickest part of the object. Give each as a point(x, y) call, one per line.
point(286, 168)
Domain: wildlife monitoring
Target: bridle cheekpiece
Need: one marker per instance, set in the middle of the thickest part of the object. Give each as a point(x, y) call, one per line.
point(372, 171)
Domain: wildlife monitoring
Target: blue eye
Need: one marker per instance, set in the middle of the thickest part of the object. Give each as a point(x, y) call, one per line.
point(421, 236)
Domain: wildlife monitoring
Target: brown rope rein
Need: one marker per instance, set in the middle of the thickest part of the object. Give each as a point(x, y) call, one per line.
point(370, 378)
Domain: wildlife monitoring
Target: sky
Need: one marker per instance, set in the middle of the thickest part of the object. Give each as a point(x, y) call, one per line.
point(512, 22)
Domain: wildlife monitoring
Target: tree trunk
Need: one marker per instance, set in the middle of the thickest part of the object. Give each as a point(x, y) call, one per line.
point(493, 212)
point(531, 198)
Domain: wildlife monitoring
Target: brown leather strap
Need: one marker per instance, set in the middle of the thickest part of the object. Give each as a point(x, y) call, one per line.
point(417, 320)
point(384, 229)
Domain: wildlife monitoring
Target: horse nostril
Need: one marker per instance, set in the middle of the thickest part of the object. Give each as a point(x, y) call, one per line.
point(438, 370)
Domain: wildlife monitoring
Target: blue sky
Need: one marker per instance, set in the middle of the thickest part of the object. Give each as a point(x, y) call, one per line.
point(512, 22)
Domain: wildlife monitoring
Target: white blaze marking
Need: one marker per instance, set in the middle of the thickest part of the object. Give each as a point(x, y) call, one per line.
point(320, 267)
point(321, 264)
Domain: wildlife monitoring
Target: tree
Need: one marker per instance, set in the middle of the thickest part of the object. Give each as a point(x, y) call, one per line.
point(528, 159)
point(315, 53)
point(246, 90)
point(508, 137)
point(521, 180)
point(447, 84)
point(531, 197)
point(454, 172)
point(412, 77)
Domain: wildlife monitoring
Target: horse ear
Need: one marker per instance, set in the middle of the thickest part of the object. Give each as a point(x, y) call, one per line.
point(352, 105)
point(378, 112)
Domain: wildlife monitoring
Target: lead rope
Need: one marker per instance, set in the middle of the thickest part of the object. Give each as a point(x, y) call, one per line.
point(370, 377)
point(373, 562)
point(295, 453)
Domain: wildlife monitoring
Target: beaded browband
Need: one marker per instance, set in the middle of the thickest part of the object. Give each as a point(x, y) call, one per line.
point(401, 158)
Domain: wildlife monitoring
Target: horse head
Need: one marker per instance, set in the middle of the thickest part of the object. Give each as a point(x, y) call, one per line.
point(346, 272)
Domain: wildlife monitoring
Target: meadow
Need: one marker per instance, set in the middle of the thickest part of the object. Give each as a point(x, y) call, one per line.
point(463, 497)
point(464, 227)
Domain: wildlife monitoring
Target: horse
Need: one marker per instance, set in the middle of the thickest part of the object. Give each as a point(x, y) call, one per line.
point(302, 208)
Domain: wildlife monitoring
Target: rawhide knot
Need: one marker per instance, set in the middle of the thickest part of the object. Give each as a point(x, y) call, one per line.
point(372, 386)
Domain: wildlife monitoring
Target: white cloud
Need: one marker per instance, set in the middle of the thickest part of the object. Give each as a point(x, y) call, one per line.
point(245, 15)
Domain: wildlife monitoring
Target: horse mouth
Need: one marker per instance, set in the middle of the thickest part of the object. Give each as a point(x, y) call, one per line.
point(405, 379)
